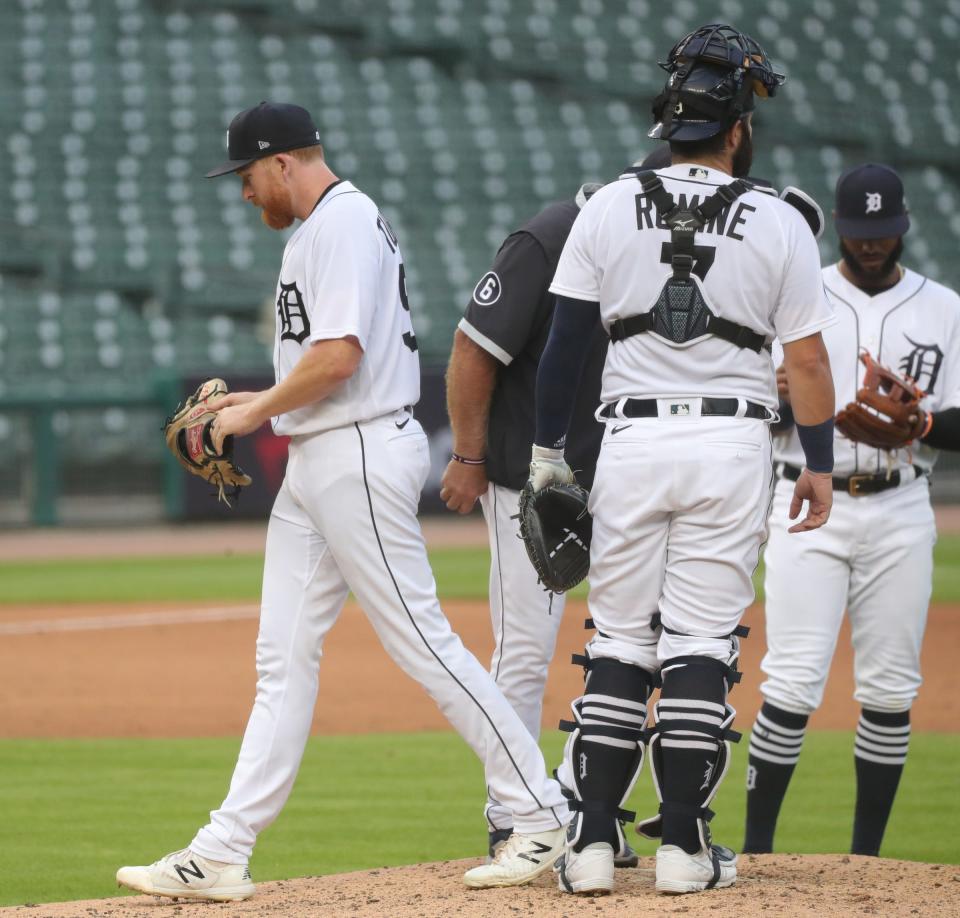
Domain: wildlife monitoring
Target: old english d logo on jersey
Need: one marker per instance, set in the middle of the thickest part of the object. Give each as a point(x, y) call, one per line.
point(922, 364)
point(294, 322)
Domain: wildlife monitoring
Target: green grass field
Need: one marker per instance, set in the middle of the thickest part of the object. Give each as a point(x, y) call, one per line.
point(461, 574)
point(73, 811)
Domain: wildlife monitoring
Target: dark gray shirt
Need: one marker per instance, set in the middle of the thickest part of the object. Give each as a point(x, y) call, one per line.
point(509, 316)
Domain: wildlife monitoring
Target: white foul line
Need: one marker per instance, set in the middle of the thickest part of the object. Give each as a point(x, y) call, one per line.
point(132, 620)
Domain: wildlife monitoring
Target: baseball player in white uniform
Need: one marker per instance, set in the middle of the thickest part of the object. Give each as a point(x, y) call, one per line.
point(345, 518)
point(693, 275)
point(876, 556)
point(490, 400)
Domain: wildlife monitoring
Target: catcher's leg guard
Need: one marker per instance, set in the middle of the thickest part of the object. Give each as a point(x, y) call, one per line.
point(689, 749)
point(604, 752)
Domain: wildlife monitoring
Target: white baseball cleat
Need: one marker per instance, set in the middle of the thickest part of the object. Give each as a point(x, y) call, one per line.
point(588, 872)
point(521, 859)
point(186, 875)
point(679, 872)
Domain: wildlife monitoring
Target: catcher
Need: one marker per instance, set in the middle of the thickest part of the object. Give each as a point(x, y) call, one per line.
point(899, 403)
point(189, 435)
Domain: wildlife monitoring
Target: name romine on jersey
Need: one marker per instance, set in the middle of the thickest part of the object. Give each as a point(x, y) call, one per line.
point(725, 223)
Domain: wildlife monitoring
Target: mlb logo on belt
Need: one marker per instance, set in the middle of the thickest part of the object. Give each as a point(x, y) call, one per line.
point(679, 409)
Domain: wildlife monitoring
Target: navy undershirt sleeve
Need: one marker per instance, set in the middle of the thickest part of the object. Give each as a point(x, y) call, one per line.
point(945, 433)
point(817, 443)
point(558, 376)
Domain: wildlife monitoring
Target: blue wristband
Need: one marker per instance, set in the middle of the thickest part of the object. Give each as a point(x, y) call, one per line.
point(817, 443)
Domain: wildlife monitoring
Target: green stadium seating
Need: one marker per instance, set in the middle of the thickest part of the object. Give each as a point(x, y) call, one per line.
point(461, 118)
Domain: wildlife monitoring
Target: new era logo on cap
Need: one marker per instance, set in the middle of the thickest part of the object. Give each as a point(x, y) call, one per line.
point(266, 129)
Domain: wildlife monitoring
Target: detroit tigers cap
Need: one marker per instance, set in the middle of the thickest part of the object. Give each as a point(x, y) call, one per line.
point(869, 203)
point(265, 129)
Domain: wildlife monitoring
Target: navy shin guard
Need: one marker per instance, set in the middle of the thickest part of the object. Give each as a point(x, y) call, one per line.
point(604, 752)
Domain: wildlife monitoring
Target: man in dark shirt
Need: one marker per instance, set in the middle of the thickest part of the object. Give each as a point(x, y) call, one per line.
point(490, 399)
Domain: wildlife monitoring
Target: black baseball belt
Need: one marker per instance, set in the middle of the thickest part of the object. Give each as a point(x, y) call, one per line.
point(860, 485)
point(679, 407)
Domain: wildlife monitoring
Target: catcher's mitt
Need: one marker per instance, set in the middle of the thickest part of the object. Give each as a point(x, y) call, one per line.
point(887, 412)
point(188, 436)
point(556, 528)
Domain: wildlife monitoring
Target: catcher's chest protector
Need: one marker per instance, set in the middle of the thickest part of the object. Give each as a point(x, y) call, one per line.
point(681, 313)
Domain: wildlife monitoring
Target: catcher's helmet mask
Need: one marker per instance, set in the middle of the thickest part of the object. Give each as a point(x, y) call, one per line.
point(715, 72)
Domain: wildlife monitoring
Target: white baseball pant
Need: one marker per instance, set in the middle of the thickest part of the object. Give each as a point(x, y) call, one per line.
point(874, 557)
point(679, 514)
point(345, 519)
point(525, 619)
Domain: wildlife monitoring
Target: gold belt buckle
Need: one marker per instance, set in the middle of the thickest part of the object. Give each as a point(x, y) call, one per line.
point(853, 484)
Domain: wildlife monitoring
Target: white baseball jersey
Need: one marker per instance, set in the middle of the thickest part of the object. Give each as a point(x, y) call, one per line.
point(880, 574)
point(337, 279)
point(913, 328)
point(759, 264)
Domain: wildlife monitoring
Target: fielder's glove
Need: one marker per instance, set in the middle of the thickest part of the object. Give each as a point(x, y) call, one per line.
point(188, 436)
point(887, 412)
point(554, 523)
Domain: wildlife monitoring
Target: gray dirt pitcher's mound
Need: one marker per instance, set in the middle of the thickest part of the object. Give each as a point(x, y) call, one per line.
point(769, 885)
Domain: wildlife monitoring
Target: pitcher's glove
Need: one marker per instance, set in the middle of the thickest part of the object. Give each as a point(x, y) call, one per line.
point(887, 412)
point(556, 528)
point(188, 436)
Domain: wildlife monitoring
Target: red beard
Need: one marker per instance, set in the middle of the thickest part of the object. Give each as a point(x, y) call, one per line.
point(274, 220)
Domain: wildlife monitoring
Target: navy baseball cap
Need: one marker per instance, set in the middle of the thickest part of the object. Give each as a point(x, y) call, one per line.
point(869, 203)
point(265, 129)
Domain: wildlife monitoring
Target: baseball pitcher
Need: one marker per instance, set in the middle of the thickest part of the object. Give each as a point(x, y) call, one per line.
point(344, 519)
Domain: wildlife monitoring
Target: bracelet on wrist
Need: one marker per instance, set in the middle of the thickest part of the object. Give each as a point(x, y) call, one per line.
point(464, 460)
point(927, 425)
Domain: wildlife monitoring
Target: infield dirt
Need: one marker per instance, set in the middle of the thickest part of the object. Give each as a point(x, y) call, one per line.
point(772, 886)
point(138, 669)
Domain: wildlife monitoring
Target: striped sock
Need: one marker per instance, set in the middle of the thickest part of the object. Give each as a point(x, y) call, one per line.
point(775, 743)
point(879, 755)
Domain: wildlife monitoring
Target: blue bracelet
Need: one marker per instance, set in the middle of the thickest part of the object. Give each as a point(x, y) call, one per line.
point(817, 443)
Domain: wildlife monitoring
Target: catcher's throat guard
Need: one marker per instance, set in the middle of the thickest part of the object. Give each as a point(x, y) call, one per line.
point(189, 437)
point(556, 528)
